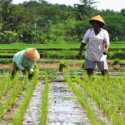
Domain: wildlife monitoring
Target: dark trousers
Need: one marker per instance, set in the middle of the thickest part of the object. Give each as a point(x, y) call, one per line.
point(15, 69)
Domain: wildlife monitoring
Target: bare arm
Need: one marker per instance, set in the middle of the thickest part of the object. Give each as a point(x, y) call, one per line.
point(106, 42)
point(83, 43)
point(106, 47)
point(80, 50)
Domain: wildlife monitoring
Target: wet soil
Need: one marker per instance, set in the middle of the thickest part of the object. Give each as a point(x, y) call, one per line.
point(32, 114)
point(64, 108)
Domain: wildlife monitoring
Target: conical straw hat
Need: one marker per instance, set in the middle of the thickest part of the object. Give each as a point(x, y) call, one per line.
point(97, 18)
point(32, 54)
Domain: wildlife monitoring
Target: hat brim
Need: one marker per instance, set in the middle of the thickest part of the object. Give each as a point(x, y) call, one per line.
point(101, 23)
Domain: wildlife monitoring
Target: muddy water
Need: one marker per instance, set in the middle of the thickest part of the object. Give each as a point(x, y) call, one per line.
point(32, 114)
point(64, 108)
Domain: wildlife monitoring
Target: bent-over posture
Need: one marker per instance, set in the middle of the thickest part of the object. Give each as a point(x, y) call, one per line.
point(25, 61)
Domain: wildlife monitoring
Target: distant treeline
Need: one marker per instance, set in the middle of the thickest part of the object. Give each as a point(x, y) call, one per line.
point(42, 22)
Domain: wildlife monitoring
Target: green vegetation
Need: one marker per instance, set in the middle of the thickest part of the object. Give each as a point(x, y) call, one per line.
point(44, 102)
point(5, 86)
point(30, 86)
point(83, 99)
point(9, 94)
point(58, 50)
point(56, 31)
point(56, 45)
point(83, 102)
point(33, 22)
point(108, 93)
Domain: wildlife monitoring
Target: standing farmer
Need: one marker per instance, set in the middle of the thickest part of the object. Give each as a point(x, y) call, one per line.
point(25, 61)
point(97, 42)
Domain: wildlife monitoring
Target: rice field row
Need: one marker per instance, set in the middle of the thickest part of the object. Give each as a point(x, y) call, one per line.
point(63, 50)
point(15, 97)
point(102, 98)
point(108, 93)
point(62, 45)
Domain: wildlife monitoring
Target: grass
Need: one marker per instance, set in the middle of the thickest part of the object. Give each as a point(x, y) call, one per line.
point(58, 50)
point(9, 95)
point(62, 45)
point(82, 98)
point(107, 92)
point(44, 102)
point(109, 96)
point(19, 114)
point(4, 86)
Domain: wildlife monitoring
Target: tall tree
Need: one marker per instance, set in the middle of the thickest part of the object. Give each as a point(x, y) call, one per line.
point(123, 12)
point(43, 1)
point(5, 10)
point(85, 8)
point(88, 3)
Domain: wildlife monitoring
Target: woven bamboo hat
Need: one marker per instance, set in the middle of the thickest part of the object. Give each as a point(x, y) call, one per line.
point(32, 54)
point(97, 18)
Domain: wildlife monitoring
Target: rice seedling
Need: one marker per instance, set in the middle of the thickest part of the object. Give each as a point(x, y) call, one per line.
point(44, 102)
point(109, 96)
point(10, 97)
point(19, 114)
point(5, 84)
point(83, 100)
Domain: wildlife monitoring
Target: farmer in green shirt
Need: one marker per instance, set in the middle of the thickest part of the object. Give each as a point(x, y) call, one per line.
point(25, 61)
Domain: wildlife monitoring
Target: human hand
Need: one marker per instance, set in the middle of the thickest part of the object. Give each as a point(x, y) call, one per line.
point(79, 56)
point(31, 70)
point(105, 53)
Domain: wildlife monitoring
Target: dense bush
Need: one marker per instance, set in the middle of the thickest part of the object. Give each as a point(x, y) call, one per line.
point(41, 22)
point(8, 37)
point(116, 26)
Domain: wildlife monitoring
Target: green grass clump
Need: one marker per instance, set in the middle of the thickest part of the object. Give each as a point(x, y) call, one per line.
point(44, 102)
point(109, 94)
point(82, 98)
point(19, 114)
point(10, 93)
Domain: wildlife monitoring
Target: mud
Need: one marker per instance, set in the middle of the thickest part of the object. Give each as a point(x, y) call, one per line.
point(64, 108)
point(32, 114)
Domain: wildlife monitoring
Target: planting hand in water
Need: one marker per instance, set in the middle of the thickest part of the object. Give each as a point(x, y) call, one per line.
point(97, 42)
point(25, 61)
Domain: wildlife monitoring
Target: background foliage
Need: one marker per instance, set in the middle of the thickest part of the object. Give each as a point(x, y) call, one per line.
point(42, 22)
